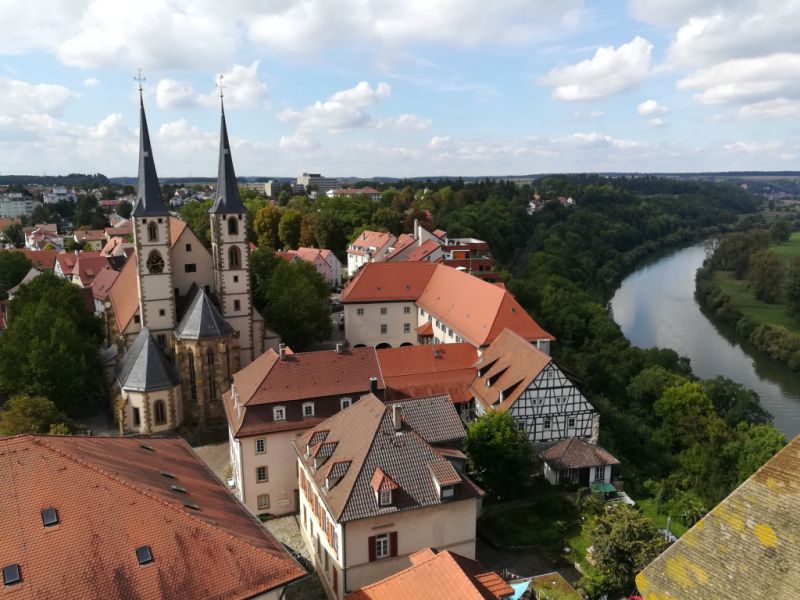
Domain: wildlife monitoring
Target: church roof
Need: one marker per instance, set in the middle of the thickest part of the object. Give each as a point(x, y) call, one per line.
point(202, 320)
point(144, 367)
point(227, 199)
point(148, 197)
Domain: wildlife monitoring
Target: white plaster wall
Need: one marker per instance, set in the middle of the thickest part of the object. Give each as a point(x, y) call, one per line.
point(366, 329)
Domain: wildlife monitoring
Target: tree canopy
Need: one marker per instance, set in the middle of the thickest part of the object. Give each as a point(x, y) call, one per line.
point(32, 414)
point(13, 267)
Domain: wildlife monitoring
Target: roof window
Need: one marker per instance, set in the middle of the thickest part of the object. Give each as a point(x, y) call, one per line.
point(144, 555)
point(167, 474)
point(178, 488)
point(49, 517)
point(147, 447)
point(11, 574)
point(191, 505)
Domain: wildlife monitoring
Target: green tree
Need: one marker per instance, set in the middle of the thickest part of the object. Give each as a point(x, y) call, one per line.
point(262, 264)
point(500, 456)
point(623, 542)
point(308, 230)
point(289, 228)
point(196, 216)
point(297, 304)
point(124, 209)
point(755, 445)
point(734, 402)
point(780, 231)
point(14, 234)
point(766, 275)
point(13, 267)
point(386, 219)
point(685, 411)
point(265, 226)
point(50, 347)
point(793, 288)
point(31, 414)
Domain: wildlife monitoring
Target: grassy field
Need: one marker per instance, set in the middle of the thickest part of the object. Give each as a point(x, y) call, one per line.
point(788, 250)
point(648, 507)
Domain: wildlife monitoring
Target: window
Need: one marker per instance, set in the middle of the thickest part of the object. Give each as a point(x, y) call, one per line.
point(233, 226)
point(261, 475)
point(384, 328)
point(263, 501)
point(308, 409)
point(448, 492)
point(279, 413)
point(161, 313)
point(159, 412)
point(212, 380)
point(571, 422)
point(136, 319)
point(599, 473)
point(520, 425)
point(192, 375)
point(406, 327)
point(382, 545)
point(406, 310)
point(137, 419)
point(234, 258)
point(188, 247)
point(152, 232)
point(155, 264)
point(190, 268)
point(383, 310)
point(235, 279)
point(547, 423)
point(345, 402)
point(385, 497)
point(237, 305)
point(360, 312)
point(261, 446)
point(421, 313)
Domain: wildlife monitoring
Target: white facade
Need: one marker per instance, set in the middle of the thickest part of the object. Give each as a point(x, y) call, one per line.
point(57, 194)
point(377, 323)
point(598, 473)
point(16, 205)
point(322, 184)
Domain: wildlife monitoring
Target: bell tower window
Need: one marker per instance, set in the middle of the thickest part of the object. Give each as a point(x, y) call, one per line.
point(234, 258)
point(233, 226)
point(152, 231)
point(155, 264)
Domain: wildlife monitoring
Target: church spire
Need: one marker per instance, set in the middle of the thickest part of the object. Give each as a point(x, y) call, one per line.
point(148, 197)
point(227, 199)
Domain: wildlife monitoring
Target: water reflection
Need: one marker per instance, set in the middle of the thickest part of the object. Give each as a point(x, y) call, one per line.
point(655, 306)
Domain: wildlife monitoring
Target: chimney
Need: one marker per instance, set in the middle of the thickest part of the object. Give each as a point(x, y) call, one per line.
point(397, 417)
point(595, 429)
point(281, 351)
point(373, 385)
point(339, 348)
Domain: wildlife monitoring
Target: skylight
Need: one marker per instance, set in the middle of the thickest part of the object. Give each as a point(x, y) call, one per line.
point(191, 505)
point(144, 555)
point(168, 474)
point(147, 447)
point(49, 517)
point(178, 488)
point(11, 574)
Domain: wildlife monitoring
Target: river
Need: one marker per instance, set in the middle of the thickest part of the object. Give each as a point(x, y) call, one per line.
point(655, 306)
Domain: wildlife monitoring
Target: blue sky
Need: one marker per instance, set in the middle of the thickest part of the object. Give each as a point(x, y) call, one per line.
point(420, 87)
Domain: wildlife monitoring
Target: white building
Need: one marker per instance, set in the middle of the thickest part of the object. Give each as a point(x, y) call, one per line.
point(55, 195)
point(317, 182)
point(370, 246)
point(16, 205)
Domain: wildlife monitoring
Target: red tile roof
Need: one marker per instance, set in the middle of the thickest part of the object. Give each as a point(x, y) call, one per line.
point(103, 282)
point(86, 268)
point(112, 496)
point(369, 240)
point(403, 240)
point(124, 295)
point(388, 282)
point(422, 251)
point(90, 235)
point(41, 259)
point(427, 370)
point(576, 454)
point(438, 576)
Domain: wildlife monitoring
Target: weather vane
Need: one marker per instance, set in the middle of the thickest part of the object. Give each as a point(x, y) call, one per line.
point(220, 85)
point(139, 78)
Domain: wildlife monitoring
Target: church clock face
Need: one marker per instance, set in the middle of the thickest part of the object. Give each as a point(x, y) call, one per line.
point(155, 264)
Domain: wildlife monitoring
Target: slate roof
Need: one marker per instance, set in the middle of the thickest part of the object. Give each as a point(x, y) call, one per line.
point(438, 576)
point(144, 367)
point(575, 453)
point(434, 418)
point(148, 194)
point(746, 547)
point(111, 497)
point(227, 199)
point(364, 434)
point(202, 320)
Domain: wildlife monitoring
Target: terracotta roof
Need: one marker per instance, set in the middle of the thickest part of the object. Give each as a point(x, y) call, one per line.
point(440, 233)
point(123, 229)
point(112, 496)
point(388, 282)
point(87, 266)
point(478, 311)
point(124, 295)
point(575, 453)
point(438, 576)
point(90, 235)
point(425, 330)
point(308, 254)
point(287, 255)
point(402, 241)
point(434, 418)
point(103, 282)
point(444, 472)
point(369, 240)
point(511, 363)
point(364, 434)
point(41, 259)
point(746, 547)
point(422, 251)
point(115, 246)
point(380, 480)
point(176, 227)
point(306, 375)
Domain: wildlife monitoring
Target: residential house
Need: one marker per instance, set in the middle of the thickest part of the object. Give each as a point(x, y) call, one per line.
point(324, 261)
point(101, 286)
point(39, 236)
point(368, 247)
point(40, 259)
point(436, 575)
point(373, 491)
point(577, 462)
point(276, 398)
point(746, 547)
point(86, 268)
point(92, 239)
point(100, 517)
point(392, 304)
point(514, 376)
point(66, 261)
point(369, 192)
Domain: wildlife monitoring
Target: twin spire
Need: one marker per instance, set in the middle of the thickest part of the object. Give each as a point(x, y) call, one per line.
point(149, 201)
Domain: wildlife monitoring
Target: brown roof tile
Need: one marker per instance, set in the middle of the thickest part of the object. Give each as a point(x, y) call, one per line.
point(124, 295)
point(113, 496)
point(575, 453)
point(444, 472)
point(422, 251)
point(388, 282)
point(433, 417)
point(41, 259)
point(102, 283)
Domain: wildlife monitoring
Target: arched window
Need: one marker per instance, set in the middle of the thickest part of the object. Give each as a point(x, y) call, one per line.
point(234, 258)
point(152, 231)
point(155, 264)
point(212, 382)
point(159, 412)
point(192, 376)
point(233, 226)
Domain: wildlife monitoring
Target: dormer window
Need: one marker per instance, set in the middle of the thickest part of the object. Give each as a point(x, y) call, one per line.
point(447, 492)
point(386, 497)
point(308, 409)
point(279, 413)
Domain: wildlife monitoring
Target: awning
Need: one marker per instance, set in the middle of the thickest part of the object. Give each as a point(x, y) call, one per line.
point(601, 487)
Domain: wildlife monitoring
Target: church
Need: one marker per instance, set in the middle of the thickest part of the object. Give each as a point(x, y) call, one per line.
point(182, 318)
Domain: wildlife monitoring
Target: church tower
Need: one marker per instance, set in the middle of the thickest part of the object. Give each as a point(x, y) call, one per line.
point(151, 237)
point(231, 253)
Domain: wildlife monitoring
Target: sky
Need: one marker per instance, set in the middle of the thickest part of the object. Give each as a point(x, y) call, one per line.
point(401, 88)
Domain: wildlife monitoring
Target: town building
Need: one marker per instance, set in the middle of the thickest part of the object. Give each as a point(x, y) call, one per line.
point(436, 575)
point(369, 192)
point(16, 204)
point(101, 286)
point(514, 376)
point(41, 235)
point(369, 246)
point(324, 261)
point(57, 194)
point(577, 462)
point(393, 304)
point(98, 517)
point(92, 239)
point(308, 182)
point(276, 398)
point(374, 490)
point(196, 305)
point(746, 547)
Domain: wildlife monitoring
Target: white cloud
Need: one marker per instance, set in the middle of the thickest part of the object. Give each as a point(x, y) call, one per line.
point(175, 94)
point(656, 122)
point(596, 139)
point(752, 147)
point(92, 82)
point(298, 142)
point(242, 87)
point(21, 97)
point(405, 121)
point(362, 94)
point(777, 108)
point(609, 72)
point(439, 142)
point(650, 107)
